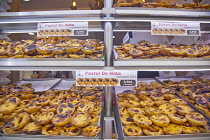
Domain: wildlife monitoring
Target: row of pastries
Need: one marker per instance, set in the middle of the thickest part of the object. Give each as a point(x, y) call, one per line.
point(52, 48)
point(146, 50)
point(155, 110)
point(194, 91)
point(70, 112)
point(141, 3)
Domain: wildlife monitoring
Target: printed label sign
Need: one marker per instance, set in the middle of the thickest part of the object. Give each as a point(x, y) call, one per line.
point(175, 28)
point(106, 78)
point(62, 29)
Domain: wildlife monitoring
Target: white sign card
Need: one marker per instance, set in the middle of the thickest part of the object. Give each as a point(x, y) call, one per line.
point(106, 78)
point(62, 29)
point(175, 28)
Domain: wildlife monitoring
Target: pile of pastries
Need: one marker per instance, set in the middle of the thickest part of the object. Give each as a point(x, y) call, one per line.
point(140, 3)
point(52, 48)
point(155, 110)
point(70, 112)
point(146, 50)
point(97, 81)
point(195, 92)
point(13, 99)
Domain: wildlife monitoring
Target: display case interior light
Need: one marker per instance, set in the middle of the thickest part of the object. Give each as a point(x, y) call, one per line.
point(74, 4)
point(26, 0)
point(31, 33)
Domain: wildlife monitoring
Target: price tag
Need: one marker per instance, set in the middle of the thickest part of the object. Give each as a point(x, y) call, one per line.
point(175, 28)
point(106, 78)
point(62, 29)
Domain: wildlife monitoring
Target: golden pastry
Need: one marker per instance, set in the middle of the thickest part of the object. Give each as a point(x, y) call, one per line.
point(91, 130)
point(132, 130)
point(135, 110)
point(167, 109)
point(160, 120)
point(51, 130)
point(61, 119)
point(152, 110)
point(183, 109)
point(153, 130)
point(172, 129)
point(142, 121)
point(190, 129)
point(177, 119)
point(70, 130)
point(80, 119)
point(32, 129)
point(196, 119)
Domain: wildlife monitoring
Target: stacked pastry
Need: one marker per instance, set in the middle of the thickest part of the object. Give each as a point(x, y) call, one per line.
point(51, 48)
point(146, 50)
point(195, 92)
point(155, 110)
point(14, 99)
point(140, 3)
point(65, 112)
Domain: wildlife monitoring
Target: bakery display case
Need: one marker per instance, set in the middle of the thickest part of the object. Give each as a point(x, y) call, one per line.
point(108, 23)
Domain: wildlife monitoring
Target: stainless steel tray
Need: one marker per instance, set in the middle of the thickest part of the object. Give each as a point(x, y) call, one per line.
point(64, 84)
point(177, 79)
point(41, 84)
point(121, 135)
point(59, 85)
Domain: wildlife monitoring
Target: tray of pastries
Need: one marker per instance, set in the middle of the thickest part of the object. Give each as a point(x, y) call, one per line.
point(52, 47)
point(154, 110)
point(40, 84)
point(75, 113)
point(195, 91)
point(141, 3)
point(146, 50)
point(14, 99)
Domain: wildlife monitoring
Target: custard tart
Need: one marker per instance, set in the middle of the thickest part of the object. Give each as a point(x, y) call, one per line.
point(160, 120)
point(31, 109)
point(19, 121)
point(152, 110)
point(91, 130)
point(61, 119)
point(172, 129)
point(86, 108)
point(147, 103)
point(188, 128)
point(142, 121)
point(32, 129)
point(167, 109)
point(132, 130)
point(153, 130)
point(56, 101)
point(196, 119)
point(94, 119)
point(177, 102)
point(135, 110)
point(183, 109)
point(177, 119)
point(8, 130)
point(49, 109)
point(70, 130)
point(66, 108)
point(127, 120)
point(51, 130)
point(131, 103)
point(80, 119)
point(43, 118)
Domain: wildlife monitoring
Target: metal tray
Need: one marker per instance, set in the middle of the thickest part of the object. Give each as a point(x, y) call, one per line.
point(121, 135)
point(41, 84)
point(59, 85)
point(64, 84)
point(177, 79)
